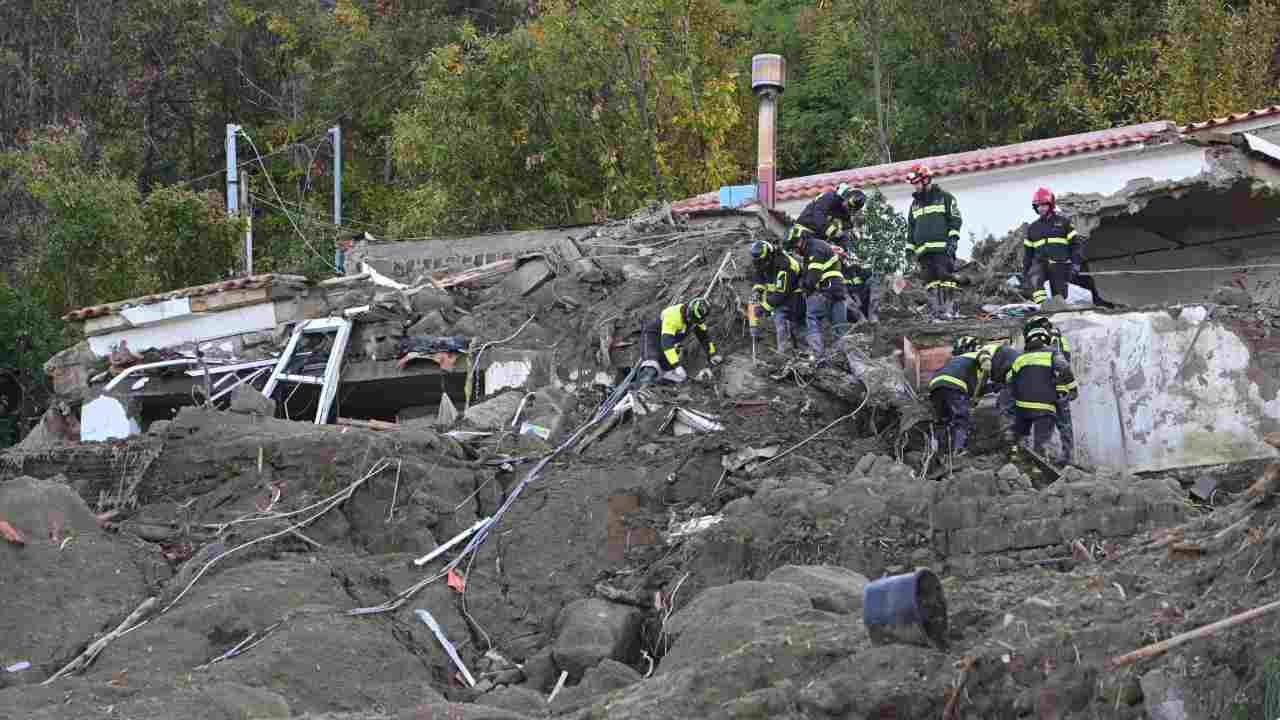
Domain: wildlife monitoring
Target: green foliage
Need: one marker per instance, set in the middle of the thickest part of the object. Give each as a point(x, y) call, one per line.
point(29, 334)
point(883, 235)
point(187, 239)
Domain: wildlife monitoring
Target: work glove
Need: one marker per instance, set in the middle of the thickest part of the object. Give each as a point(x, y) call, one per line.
point(716, 359)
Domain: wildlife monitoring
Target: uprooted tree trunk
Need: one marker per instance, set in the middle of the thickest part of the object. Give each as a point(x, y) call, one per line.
point(882, 378)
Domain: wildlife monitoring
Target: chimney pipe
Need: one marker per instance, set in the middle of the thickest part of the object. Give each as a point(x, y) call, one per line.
point(768, 80)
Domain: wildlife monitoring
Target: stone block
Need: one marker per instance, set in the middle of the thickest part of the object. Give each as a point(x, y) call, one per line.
point(955, 514)
point(249, 401)
point(592, 630)
point(529, 276)
point(830, 588)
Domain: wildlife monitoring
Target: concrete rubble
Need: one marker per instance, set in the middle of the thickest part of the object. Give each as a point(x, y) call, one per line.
point(584, 557)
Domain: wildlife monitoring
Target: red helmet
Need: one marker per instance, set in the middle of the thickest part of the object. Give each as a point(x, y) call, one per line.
point(1044, 195)
point(919, 174)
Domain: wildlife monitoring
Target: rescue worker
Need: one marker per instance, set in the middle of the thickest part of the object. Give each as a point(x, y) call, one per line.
point(1052, 250)
point(1068, 391)
point(1033, 379)
point(661, 337)
point(933, 235)
point(829, 215)
point(777, 288)
point(955, 387)
point(825, 292)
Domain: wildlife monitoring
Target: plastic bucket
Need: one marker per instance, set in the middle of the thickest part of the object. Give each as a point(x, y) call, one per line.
point(910, 608)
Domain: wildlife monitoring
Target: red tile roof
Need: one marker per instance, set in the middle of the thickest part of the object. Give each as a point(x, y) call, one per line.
point(1232, 118)
point(244, 283)
point(954, 164)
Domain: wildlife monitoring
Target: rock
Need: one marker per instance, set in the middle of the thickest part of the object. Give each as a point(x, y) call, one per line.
point(1012, 475)
point(739, 378)
point(633, 272)
point(248, 401)
point(1165, 698)
point(495, 413)
point(548, 409)
point(540, 671)
point(433, 323)
point(602, 679)
point(592, 630)
point(428, 300)
point(516, 699)
point(453, 711)
point(529, 276)
point(720, 618)
point(830, 588)
point(467, 326)
point(864, 464)
point(241, 702)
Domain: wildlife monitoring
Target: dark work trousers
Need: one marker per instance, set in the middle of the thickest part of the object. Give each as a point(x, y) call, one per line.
point(951, 408)
point(650, 349)
point(1085, 281)
point(1066, 432)
point(935, 270)
point(1038, 424)
point(1057, 272)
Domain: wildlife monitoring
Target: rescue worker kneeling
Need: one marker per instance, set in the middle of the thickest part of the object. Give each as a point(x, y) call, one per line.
point(955, 387)
point(661, 337)
point(777, 288)
point(1033, 378)
point(825, 292)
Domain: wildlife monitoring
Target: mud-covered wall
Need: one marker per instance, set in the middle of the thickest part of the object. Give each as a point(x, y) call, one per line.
point(1169, 389)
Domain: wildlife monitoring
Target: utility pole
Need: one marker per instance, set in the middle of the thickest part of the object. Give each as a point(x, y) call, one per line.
point(248, 223)
point(233, 193)
point(336, 133)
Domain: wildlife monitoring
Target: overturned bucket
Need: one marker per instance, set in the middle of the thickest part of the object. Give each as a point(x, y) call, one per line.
point(909, 608)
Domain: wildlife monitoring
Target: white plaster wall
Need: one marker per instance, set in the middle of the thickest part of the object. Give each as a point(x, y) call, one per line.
point(1136, 412)
point(994, 202)
point(189, 328)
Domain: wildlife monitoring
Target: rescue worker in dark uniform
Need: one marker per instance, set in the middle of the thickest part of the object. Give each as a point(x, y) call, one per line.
point(661, 337)
point(829, 215)
point(1068, 391)
point(1033, 378)
point(825, 292)
point(955, 387)
point(933, 235)
point(1052, 250)
point(776, 279)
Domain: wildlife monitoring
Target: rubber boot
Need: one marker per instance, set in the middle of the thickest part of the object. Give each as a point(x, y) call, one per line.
point(1068, 452)
point(959, 440)
point(949, 304)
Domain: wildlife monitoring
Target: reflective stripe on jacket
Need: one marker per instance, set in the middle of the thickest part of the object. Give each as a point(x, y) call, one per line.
point(933, 222)
point(673, 331)
point(1033, 383)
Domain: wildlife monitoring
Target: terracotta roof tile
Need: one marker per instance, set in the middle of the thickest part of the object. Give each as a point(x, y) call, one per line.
point(953, 164)
point(1232, 118)
point(244, 283)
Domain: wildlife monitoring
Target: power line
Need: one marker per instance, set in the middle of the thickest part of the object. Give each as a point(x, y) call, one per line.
point(271, 183)
point(316, 217)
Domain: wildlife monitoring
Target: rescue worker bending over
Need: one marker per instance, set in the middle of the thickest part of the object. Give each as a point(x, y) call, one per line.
point(829, 215)
point(825, 293)
point(777, 287)
point(1052, 250)
point(1033, 378)
point(956, 386)
point(661, 337)
point(1068, 391)
point(933, 234)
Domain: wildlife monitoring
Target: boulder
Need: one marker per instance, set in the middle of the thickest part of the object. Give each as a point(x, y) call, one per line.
point(739, 378)
point(433, 323)
point(720, 618)
point(515, 699)
point(830, 588)
point(593, 630)
point(248, 401)
point(495, 413)
point(602, 679)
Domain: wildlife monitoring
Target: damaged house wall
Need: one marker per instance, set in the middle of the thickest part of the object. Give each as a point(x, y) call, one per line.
point(1226, 216)
point(1169, 389)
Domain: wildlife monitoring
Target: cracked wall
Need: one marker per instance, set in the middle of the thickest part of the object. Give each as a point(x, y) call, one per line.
point(1170, 389)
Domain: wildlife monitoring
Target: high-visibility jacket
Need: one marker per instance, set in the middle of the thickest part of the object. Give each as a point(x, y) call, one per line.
point(776, 284)
point(933, 223)
point(962, 372)
point(1034, 376)
point(822, 263)
point(1061, 344)
point(672, 329)
point(1052, 238)
point(827, 215)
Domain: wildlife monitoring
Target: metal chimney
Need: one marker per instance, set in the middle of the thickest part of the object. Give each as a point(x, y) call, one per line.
point(768, 79)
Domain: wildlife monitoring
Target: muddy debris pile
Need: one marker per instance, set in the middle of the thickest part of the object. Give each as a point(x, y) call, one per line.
point(711, 549)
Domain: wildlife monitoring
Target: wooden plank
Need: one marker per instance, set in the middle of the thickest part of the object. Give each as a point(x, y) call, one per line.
point(230, 299)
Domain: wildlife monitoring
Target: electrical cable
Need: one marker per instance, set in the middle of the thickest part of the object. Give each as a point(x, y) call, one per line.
point(271, 183)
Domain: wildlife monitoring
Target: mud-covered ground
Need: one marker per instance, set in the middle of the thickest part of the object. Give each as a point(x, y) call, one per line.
point(657, 581)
